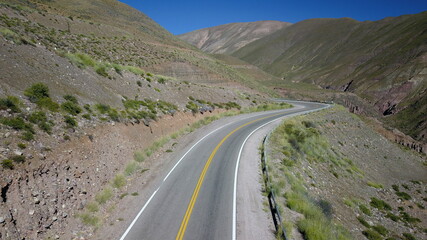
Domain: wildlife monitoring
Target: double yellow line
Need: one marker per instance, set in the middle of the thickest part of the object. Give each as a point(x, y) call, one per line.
point(190, 207)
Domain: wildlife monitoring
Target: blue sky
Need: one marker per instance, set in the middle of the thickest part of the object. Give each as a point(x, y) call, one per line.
point(181, 16)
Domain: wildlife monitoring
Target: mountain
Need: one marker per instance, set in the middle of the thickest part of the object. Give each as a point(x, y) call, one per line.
point(383, 62)
point(43, 41)
point(226, 39)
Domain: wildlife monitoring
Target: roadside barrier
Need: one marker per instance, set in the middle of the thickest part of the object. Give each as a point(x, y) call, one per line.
point(277, 219)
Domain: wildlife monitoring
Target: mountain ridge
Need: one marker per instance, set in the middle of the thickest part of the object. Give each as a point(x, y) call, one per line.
point(230, 37)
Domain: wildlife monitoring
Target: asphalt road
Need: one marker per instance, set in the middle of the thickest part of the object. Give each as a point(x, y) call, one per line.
point(195, 200)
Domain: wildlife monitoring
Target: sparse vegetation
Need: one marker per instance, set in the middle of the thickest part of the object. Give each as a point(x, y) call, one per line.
point(10, 102)
point(372, 235)
point(89, 219)
point(119, 181)
point(403, 195)
point(37, 92)
point(374, 185)
point(380, 229)
point(131, 168)
point(70, 121)
point(138, 156)
point(7, 163)
point(22, 145)
point(71, 108)
point(380, 204)
point(103, 196)
point(92, 207)
point(363, 222)
point(365, 210)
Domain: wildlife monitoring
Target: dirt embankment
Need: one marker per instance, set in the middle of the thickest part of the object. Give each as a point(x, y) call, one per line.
point(41, 198)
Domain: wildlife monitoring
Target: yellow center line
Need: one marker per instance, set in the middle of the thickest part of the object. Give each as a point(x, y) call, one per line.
point(190, 207)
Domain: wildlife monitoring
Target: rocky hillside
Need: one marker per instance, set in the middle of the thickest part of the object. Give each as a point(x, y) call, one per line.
point(228, 38)
point(336, 178)
point(95, 57)
point(384, 62)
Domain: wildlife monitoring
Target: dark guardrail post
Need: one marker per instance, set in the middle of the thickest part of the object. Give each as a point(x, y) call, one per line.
point(277, 219)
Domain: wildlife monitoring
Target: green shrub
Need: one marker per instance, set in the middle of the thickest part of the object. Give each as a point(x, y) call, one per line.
point(7, 163)
point(10, 35)
point(374, 185)
point(22, 145)
point(409, 236)
point(409, 219)
point(101, 70)
point(365, 210)
point(48, 104)
point(92, 207)
point(71, 108)
point(46, 126)
point(81, 60)
point(114, 115)
point(363, 221)
point(70, 121)
point(131, 168)
point(87, 107)
point(161, 80)
point(17, 123)
point(71, 98)
point(119, 181)
point(86, 116)
point(139, 83)
point(18, 158)
point(230, 105)
point(380, 204)
point(138, 156)
point(134, 70)
point(27, 136)
point(192, 106)
point(41, 120)
point(102, 108)
point(10, 102)
point(103, 196)
point(395, 187)
point(403, 195)
point(371, 234)
point(37, 92)
point(380, 229)
point(37, 117)
point(135, 194)
point(392, 217)
point(123, 195)
point(89, 219)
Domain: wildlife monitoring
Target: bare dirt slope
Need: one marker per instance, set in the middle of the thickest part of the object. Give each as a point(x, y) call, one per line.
point(228, 38)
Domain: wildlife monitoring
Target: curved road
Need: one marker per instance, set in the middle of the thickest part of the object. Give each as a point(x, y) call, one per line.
point(196, 199)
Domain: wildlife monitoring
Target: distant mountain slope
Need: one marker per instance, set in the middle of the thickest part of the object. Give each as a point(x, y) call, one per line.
point(230, 37)
point(384, 62)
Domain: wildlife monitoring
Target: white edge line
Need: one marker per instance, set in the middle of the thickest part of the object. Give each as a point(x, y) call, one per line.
point(185, 154)
point(173, 168)
point(137, 216)
point(233, 236)
point(146, 204)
